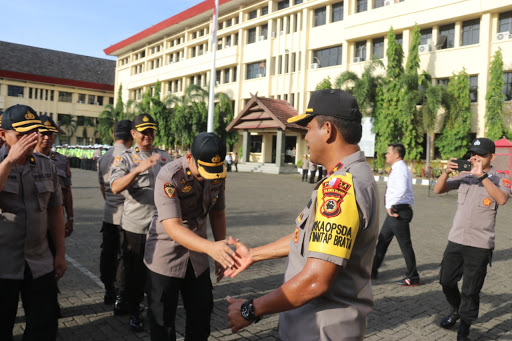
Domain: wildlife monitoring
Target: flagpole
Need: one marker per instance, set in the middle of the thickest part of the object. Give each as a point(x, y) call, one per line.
point(213, 72)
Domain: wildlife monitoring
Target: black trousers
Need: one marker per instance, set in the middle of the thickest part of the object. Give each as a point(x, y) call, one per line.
point(312, 177)
point(163, 300)
point(132, 249)
point(398, 227)
point(109, 257)
point(304, 175)
point(469, 263)
point(320, 173)
point(38, 297)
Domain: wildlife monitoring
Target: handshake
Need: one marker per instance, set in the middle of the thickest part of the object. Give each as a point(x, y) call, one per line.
point(229, 262)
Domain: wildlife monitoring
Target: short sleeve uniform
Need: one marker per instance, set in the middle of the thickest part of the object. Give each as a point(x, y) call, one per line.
point(338, 225)
point(475, 218)
point(178, 194)
point(29, 191)
point(139, 205)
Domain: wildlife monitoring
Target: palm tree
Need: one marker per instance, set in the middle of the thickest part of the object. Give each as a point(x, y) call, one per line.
point(70, 123)
point(112, 114)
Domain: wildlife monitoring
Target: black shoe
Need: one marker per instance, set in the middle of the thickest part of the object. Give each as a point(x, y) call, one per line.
point(463, 333)
point(407, 282)
point(136, 323)
point(120, 307)
point(449, 320)
point(110, 296)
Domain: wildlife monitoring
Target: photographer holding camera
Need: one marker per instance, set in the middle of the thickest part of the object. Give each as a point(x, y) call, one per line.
point(471, 238)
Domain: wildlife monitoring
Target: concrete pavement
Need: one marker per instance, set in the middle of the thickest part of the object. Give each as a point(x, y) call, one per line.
point(260, 209)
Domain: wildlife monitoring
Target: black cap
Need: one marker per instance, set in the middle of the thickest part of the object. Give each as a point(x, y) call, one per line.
point(143, 121)
point(20, 118)
point(209, 151)
point(483, 146)
point(330, 102)
point(48, 125)
point(123, 126)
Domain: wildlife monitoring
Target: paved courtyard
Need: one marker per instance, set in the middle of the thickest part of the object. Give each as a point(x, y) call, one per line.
point(261, 208)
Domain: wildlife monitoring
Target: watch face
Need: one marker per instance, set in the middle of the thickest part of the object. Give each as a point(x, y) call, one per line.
point(245, 310)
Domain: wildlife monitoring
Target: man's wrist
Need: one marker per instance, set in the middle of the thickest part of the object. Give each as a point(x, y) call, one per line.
point(71, 218)
point(248, 313)
point(483, 177)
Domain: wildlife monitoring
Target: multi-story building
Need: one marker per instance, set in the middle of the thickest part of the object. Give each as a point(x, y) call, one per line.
point(282, 49)
point(72, 89)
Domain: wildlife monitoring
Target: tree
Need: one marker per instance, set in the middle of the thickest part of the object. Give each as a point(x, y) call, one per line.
point(495, 100)
point(69, 123)
point(109, 117)
point(324, 84)
point(363, 88)
point(455, 138)
point(223, 115)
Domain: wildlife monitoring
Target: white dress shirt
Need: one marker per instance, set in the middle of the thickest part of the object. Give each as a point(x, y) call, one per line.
point(399, 189)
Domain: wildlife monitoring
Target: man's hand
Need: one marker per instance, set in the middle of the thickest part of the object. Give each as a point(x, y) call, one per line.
point(451, 166)
point(243, 258)
point(222, 253)
point(391, 213)
point(148, 163)
point(476, 170)
point(19, 151)
point(69, 228)
point(235, 319)
point(59, 266)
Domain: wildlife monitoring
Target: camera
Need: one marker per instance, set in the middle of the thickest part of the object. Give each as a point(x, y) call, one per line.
point(463, 165)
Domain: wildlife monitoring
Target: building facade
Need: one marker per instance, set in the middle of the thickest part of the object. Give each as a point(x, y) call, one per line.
point(72, 89)
point(282, 49)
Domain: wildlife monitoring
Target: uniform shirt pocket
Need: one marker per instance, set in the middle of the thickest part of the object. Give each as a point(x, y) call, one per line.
point(485, 201)
point(142, 180)
point(463, 192)
point(44, 191)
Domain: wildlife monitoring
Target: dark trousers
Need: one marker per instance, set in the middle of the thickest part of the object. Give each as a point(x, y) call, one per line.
point(469, 263)
point(109, 257)
point(320, 173)
point(312, 177)
point(197, 297)
point(228, 167)
point(38, 297)
point(132, 249)
point(236, 166)
point(304, 175)
point(398, 227)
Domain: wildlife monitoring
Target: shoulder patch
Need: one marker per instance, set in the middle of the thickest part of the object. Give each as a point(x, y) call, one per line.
point(169, 190)
point(116, 161)
point(506, 183)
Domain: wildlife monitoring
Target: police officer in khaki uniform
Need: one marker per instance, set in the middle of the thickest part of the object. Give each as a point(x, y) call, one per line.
point(134, 173)
point(471, 238)
point(327, 291)
point(30, 205)
point(112, 211)
point(188, 191)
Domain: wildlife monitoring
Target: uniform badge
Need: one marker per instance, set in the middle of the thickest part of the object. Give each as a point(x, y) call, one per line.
point(145, 119)
point(296, 235)
point(189, 172)
point(116, 161)
point(216, 182)
point(186, 189)
point(182, 181)
point(299, 218)
point(216, 159)
point(163, 159)
point(169, 190)
point(331, 205)
point(507, 183)
point(487, 202)
point(29, 116)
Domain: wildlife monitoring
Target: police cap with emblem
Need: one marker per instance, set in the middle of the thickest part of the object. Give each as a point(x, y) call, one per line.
point(20, 118)
point(143, 122)
point(49, 125)
point(483, 146)
point(331, 102)
point(209, 151)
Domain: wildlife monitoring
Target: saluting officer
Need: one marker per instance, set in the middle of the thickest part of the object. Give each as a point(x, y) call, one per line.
point(30, 205)
point(134, 172)
point(112, 211)
point(188, 191)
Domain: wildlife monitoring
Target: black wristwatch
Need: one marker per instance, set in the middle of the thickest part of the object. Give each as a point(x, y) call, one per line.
point(485, 176)
point(247, 310)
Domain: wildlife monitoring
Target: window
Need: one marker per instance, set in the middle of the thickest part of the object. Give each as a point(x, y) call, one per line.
point(443, 81)
point(81, 98)
point(264, 10)
point(194, 35)
point(320, 14)
point(446, 37)
point(91, 99)
point(15, 91)
point(400, 39)
point(378, 3)
point(236, 39)
point(251, 35)
point(264, 31)
point(298, 2)
point(328, 57)
point(111, 100)
point(507, 88)
point(51, 94)
point(218, 75)
point(473, 88)
point(256, 70)
point(505, 22)
point(65, 96)
point(80, 120)
point(228, 41)
point(471, 32)
point(226, 76)
point(253, 14)
point(229, 22)
point(426, 36)
point(234, 74)
point(255, 143)
point(99, 100)
point(361, 5)
point(360, 53)
point(337, 12)
point(293, 62)
point(283, 4)
point(378, 48)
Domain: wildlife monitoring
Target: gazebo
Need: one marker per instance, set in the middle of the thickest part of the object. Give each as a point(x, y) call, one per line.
point(503, 160)
point(270, 144)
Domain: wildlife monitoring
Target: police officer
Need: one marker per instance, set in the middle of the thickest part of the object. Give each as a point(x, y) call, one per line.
point(134, 172)
point(327, 291)
point(30, 205)
point(471, 238)
point(188, 191)
point(112, 211)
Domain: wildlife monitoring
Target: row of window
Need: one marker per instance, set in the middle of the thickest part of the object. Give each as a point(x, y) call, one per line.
point(225, 76)
point(362, 5)
point(48, 95)
point(320, 14)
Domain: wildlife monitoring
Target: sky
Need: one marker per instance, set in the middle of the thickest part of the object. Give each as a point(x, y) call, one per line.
point(82, 27)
